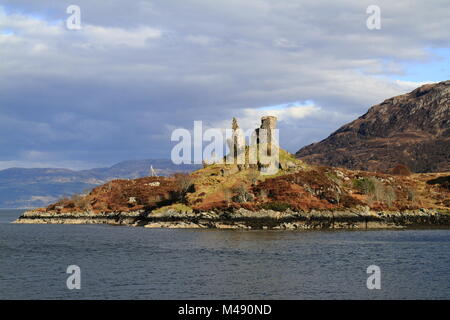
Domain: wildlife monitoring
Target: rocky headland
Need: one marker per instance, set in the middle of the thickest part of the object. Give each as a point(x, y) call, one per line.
point(234, 195)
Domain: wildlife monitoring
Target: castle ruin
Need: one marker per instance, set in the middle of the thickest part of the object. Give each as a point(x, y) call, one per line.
point(253, 156)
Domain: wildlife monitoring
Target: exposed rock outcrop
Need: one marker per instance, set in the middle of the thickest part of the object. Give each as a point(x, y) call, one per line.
point(357, 218)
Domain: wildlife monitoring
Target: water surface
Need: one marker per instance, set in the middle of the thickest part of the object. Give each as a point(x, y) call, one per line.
point(139, 263)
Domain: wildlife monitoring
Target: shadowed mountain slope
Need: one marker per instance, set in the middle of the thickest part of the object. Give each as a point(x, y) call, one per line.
point(411, 129)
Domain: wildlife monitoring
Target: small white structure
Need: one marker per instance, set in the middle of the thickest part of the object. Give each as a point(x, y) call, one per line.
point(152, 171)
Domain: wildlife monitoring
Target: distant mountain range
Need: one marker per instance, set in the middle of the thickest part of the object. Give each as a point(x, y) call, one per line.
point(28, 188)
point(411, 129)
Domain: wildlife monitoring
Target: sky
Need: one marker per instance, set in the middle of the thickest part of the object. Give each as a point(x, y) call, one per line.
point(137, 70)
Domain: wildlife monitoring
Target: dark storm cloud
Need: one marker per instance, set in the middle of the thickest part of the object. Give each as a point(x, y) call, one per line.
point(138, 69)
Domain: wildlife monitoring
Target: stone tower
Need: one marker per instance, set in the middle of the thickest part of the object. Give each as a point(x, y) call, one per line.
point(234, 124)
point(268, 122)
point(265, 136)
point(237, 147)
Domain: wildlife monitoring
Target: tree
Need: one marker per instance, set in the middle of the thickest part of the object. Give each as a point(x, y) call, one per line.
point(411, 195)
point(242, 194)
point(379, 191)
point(389, 195)
point(81, 202)
point(184, 184)
point(365, 185)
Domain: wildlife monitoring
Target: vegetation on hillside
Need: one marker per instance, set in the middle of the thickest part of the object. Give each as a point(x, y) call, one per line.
point(296, 186)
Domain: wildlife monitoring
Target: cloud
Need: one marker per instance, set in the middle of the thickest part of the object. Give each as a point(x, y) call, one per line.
point(250, 118)
point(115, 89)
point(411, 85)
point(137, 37)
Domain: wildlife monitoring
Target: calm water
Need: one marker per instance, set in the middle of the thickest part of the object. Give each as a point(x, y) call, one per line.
point(138, 263)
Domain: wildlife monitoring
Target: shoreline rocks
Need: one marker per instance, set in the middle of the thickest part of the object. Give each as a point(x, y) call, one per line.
point(359, 218)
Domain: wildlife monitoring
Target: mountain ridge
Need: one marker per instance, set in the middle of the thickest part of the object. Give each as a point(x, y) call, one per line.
point(411, 129)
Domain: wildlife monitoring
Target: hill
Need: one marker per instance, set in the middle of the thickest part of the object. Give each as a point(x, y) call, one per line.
point(411, 129)
point(240, 196)
point(300, 187)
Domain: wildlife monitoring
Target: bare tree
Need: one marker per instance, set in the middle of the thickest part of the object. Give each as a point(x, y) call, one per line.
point(411, 196)
point(242, 194)
point(81, 202)
point(389, 195)
point(184, 184)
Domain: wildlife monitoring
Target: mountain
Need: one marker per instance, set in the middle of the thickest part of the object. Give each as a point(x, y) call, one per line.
point(412, 129)
point(25, 188)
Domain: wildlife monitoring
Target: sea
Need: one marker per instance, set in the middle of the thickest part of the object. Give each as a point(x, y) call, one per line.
point(118, 262)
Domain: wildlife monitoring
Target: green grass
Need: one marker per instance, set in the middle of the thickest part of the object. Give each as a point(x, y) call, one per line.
point(179, 207)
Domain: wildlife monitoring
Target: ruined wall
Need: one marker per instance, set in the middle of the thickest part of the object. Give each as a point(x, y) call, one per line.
point(264, 136)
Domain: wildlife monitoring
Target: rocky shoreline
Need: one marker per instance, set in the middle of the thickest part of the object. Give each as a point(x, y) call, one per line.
point(357, 218)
